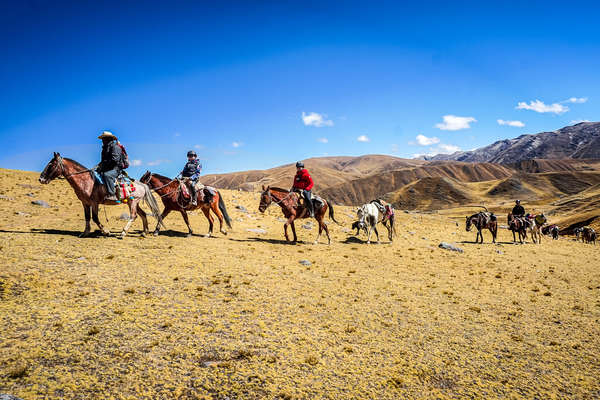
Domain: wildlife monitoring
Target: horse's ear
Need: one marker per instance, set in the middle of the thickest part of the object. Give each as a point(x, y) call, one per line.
point(56, 155)
point(263, 188)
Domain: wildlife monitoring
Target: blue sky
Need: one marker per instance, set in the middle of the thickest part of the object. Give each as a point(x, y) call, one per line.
point(253, 85)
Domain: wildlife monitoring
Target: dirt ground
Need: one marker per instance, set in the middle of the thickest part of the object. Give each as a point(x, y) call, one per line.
point(239, 317)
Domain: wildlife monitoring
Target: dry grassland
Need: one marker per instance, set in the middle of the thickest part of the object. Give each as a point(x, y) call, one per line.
point(239, 317)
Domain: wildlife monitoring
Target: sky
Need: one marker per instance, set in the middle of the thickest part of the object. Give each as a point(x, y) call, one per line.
point(253, 85)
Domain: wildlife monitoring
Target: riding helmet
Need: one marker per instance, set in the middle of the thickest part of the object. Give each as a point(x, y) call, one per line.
point(517, 201)
point(299, 164)
point(192, 153)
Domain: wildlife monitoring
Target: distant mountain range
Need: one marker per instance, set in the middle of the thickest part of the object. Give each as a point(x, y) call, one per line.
point(577, 141)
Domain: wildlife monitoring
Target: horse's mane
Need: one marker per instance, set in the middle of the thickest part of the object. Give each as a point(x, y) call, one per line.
point(160, 177)
point(77, 164)
point(279, 189)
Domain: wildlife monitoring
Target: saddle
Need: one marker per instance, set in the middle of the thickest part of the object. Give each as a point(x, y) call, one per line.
point(201, 191)
point(124, 190)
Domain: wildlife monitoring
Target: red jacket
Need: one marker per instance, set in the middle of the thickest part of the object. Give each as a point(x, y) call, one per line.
point(302, 180)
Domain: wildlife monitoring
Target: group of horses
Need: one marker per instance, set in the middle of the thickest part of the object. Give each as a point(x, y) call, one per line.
point(174, 198)
point(586, 234)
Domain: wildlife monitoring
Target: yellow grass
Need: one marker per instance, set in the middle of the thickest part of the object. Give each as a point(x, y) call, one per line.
point(239, 317)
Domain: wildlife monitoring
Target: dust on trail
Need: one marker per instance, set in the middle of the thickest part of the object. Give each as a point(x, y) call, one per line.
point(239, 316)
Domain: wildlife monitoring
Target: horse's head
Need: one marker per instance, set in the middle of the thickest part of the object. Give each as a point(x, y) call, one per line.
point(468, 226)
point(265, 199)
point(146, 177)
point(53, 169)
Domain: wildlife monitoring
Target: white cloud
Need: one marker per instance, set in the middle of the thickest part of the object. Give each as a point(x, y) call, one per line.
point(158, 162)
point(517, 124)
point(539, 106)
point(454, 123)
point(423, 140)
point(315, 119)
point(199, 146)
point(577, 121)
point(136, 163)
point(322, 140)
point(237, 144)
point(363, 138)
point(577, 100)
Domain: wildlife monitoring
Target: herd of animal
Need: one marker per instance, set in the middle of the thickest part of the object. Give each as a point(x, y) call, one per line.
point(170, 192)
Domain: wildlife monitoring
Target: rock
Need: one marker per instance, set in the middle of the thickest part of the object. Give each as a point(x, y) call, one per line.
point(256, 230)
point(40, 203)
point(281, 219)
point(346, 230)
point(308, 225)
point(3, 197)
point(499, 252)
point(22, 214)
point(30, 195)
point(239, 219)
point(305, 262)
point(28, 186)
point(412, 233)
point(242, 208)
point(448, 246)
point(9, 397)
point(124, 217)
point(81, 258)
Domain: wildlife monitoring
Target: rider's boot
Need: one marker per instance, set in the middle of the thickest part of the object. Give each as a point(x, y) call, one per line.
point(194, 195)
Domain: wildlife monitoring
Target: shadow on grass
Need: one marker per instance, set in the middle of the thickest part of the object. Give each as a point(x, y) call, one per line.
point(265, 240)
point(95, 234)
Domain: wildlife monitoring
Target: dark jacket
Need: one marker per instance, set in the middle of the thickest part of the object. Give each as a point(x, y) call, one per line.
point(302, 180)
point(111, 156)
point(518, 210)
point(192, 169)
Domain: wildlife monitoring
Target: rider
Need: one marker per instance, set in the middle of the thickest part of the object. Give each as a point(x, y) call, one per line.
point(110, 166)
point(304, 183)
point(192, 170)
point(518, 210)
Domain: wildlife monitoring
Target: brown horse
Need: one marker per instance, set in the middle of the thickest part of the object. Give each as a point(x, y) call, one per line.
point(517, 224)
point(92, 194)
point(288, 201)
point(169, 191)
point(483, 220)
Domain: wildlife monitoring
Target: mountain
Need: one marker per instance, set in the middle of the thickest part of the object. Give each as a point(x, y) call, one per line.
point(577, 141)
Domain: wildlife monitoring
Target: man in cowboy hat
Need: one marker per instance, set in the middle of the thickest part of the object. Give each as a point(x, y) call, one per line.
point(110, 163)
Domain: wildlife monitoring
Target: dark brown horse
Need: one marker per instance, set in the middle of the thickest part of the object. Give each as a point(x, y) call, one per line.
point(483, 220)
point(518, 225)
point(92, 194)
point(288, 201)
point(169, 192)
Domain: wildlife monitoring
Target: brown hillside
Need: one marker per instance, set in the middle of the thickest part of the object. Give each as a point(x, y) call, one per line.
point(431, 193)
point(327, 171)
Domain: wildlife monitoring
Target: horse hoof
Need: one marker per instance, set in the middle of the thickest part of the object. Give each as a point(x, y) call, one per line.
point(207, 235)
point(189, 235)
point(224, 233)
point(155, 233)
point(144, 234)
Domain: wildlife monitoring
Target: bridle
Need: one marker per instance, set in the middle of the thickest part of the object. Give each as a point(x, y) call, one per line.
point(273, 200)
point(63, 173)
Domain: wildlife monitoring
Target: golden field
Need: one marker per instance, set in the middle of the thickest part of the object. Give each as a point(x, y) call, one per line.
point(238, 316)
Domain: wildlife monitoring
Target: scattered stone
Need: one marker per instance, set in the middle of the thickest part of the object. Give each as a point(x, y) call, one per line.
point(305, 262)
point(412, 233)
point(81, 258)
point(239, 219)
point(22, 214)
point(499, 252)
point(448, 246)
point(308, 225)
point(40, 203)
point(30, 195)
point(9, 397)
point(124, 217)
point(3, 197)
point(424, 238)
point(242, 208)
point(256, 230)
point(281, 219)
point(28, 186)
point(346, 230)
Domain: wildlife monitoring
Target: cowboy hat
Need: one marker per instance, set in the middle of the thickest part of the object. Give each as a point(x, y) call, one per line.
point(107, 135)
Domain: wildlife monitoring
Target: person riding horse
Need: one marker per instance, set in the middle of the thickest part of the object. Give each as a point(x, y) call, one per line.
point(191, 171)
point(110, 166)
point(303, 183)
point(518, 210)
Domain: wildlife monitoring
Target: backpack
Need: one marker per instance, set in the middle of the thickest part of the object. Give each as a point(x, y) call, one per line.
point(124, 157)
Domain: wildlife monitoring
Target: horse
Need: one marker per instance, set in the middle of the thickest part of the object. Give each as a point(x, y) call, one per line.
point(292, 210)
point(516, 224)
point(483, 220)
point(92, 194)
point(552, 230)
point(388, 216)
point(588, 235)
point(368, 217)
point(532, 228)
point(540, 221)
point(169, 192)
point(578, 233)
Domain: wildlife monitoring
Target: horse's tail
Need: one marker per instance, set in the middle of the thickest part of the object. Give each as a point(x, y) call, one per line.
point(224, 210)
point(151, 201)
point(331, 211)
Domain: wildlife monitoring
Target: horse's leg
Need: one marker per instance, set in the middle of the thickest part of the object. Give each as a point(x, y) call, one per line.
point(97, 220)
point(144, 220)
point(214, 206)
point(494, 231)
point(369, 229)
point(165, 212)
point(88, 213)
point(285, 229)
point(320, 222)
point(187, 222)
point(325, 227)
point(132, 216)
point(294, 231)
point(376, 233)
point(209, 217)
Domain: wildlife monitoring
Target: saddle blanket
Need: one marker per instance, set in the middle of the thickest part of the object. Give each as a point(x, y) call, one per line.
point(124, 191)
